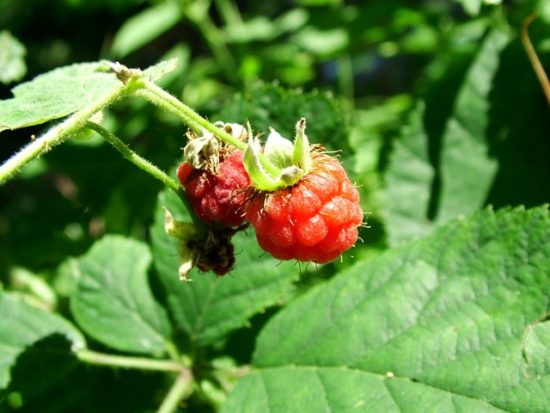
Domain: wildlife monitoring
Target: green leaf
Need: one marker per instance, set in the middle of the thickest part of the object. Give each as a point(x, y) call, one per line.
point(56, 94)
point(269, 105)
point(64, 91)
point(467, 168)
point(544, 10)
point(472, 7)
point(535, 349)
point(112, 300)
point(12, 58)
point(435, 325)
point(209, 307)
point(21, 327)
point(144, 27)
point(324, 43)
point(408, 182)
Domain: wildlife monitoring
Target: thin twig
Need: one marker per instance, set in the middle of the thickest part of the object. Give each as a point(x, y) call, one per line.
point(533, 56)
point(133, 157)
point(181, 389)
point(141, 363)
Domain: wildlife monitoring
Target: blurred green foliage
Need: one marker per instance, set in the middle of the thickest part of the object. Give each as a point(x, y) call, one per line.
point(391, 84)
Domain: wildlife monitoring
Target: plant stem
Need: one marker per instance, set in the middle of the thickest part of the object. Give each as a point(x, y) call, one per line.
point(212, 34)
point(229, 12)
point(533, 57)
point(133, 157)
point(142, 363)
point(179, 390)
point(165, 100)
point(55, 135)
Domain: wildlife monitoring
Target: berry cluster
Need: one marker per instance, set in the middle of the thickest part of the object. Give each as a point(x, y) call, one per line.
point(300, 201)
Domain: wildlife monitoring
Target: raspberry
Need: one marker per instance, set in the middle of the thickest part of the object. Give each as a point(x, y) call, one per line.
point(314, 220)
point(217, 197)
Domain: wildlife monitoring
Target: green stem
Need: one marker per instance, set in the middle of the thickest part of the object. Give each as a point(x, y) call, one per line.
point(179, 390)
point(533, 56)
point(55, 135)
point(142, 363)
point(213, 36)
point(165, 100)
point(229, 12)
point(133, 157)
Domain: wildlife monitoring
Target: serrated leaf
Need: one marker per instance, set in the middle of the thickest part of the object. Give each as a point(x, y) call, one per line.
point(12, 58)
point(269, 105)
point(56, 94)
point(433, 326)
point(408, 182)
point(22, 326)
point(467, 168)
point(112, 300)
point(208, 307)
point(65, 90)
point(144, 27)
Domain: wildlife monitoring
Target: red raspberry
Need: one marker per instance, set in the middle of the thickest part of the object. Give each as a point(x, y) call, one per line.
point(314, 220)
point(217, 198)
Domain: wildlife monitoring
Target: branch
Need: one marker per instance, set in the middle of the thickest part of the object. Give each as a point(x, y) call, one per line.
point(533, 57)
point(133, 157)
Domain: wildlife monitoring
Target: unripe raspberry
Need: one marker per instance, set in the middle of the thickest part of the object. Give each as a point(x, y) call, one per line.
point(316, 219)
point(217, 198)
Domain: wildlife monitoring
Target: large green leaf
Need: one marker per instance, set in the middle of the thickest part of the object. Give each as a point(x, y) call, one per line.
point(208, 307)
point(56, 94)
point(112, 301)
point(22, 327)
point(64, 91)
point(467, 168)
point(433, 178)
point(408, 182)
point(440, 325)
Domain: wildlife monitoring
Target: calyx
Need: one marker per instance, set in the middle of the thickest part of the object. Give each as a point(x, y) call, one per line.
point(280, 163)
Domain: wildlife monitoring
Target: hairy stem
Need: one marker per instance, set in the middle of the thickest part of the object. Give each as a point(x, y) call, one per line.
point(165, 100)
point(133, 157)
point(534, 58)
point(55, 136)
point(141, 363)
point(181, 389)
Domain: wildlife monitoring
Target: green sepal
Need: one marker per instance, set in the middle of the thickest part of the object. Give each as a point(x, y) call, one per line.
point(281, 163)
point(264, 179)
point(278, 150)
point(302, 153)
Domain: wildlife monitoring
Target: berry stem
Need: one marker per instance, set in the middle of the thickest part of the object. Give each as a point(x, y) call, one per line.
point(141, 363)
point(165, 100)
point(56, 135)
point(133, 157)
point(181, 389)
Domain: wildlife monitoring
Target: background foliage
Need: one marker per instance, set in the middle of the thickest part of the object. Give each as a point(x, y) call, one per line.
point(440, 120)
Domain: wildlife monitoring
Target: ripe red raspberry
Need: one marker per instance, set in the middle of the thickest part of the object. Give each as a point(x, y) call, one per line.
point(217, 198)
point(313, 220)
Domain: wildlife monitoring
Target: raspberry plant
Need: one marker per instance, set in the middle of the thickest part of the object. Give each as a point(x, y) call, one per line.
point(223, 276)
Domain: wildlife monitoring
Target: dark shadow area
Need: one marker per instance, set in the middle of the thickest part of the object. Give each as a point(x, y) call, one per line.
point(518, 132)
